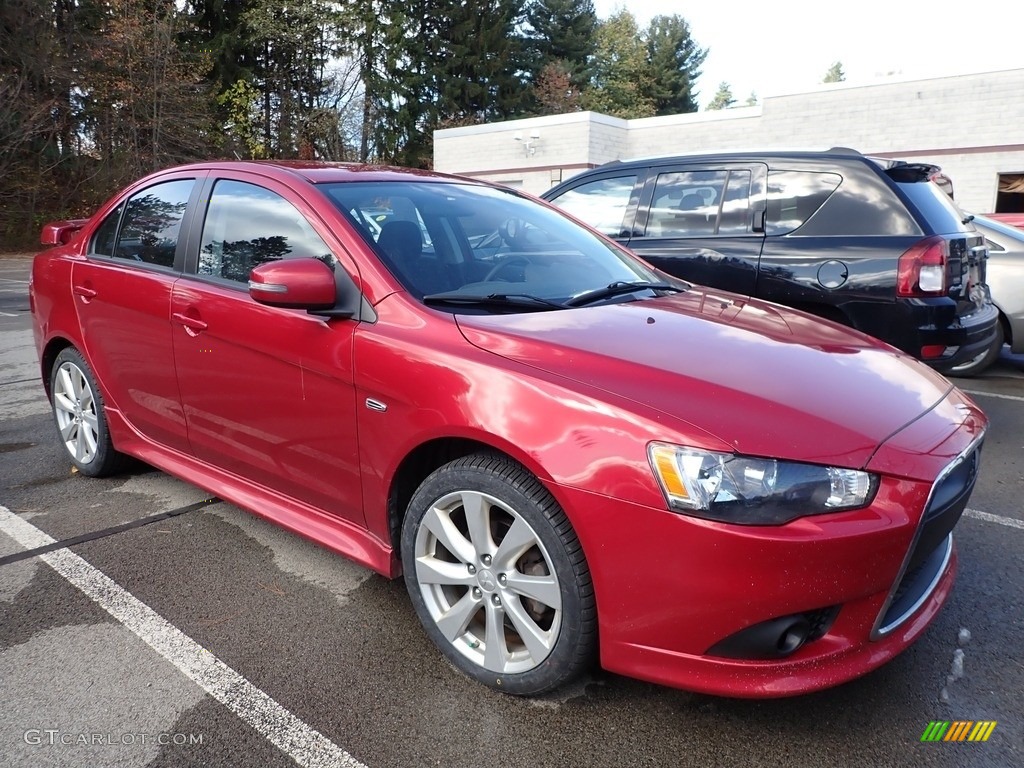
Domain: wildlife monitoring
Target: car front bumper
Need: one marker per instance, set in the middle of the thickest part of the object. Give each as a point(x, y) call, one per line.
point(672, 589)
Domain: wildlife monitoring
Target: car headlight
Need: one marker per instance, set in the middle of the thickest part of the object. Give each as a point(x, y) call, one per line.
point(754, 491)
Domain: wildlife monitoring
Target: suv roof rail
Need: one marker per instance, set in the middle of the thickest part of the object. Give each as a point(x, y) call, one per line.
point(845, 151)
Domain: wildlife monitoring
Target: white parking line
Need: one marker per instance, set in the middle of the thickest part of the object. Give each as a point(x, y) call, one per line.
point(993, 394)
point(988, 517)
point(301, 742)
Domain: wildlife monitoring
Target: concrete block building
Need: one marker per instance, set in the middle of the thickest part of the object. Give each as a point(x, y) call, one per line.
point(970, 125)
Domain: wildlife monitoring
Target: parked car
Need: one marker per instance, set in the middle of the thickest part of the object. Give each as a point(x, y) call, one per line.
point(1006, 278)
point(564, 451)
point(862, 241)
point(1013, 219)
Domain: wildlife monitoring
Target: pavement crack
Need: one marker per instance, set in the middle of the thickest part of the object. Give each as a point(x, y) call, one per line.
point(105, 532)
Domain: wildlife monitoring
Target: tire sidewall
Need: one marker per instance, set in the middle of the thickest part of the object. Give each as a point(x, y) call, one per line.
point(102, 461)
point(559, 666)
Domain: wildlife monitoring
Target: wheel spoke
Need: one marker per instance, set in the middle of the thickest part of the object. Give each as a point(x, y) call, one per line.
point(90, 440)
point(80, 445)
point(541, 588)
point(454, 621)
point(430, 570)
point(495, 651)
point(67, 388)
point(62, 401)
point(537, 641)
point(520, 537)
point(440, 524)
point(90, 420)
point(67, 432)
point(478, 520)
point(76, 384)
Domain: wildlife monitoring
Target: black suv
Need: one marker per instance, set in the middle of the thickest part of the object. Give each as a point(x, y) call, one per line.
point(868, 242)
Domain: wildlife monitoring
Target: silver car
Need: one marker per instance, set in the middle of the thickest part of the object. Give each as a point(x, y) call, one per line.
point(1005, 280)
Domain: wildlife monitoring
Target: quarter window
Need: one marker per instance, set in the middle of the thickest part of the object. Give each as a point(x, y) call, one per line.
point(151, 223)
point(247, 225)
point(794, 196)
point(602, 203)
point(106, 234)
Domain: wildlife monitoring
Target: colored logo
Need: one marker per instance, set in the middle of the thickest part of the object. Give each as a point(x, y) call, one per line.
point(958, 730)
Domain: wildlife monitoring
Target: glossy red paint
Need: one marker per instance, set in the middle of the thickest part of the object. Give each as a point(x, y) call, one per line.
point(1013, 219)
point(295, 284)
point(61, 232)
point(268, 407)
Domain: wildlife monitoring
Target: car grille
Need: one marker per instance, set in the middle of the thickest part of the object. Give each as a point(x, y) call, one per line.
point(933, 544)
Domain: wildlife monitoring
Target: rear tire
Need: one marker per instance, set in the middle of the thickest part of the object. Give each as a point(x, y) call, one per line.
point(497, 576)
point(79, 413)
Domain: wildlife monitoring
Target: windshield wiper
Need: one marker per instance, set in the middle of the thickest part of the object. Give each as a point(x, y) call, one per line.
point(517, 300)
point(619, 288)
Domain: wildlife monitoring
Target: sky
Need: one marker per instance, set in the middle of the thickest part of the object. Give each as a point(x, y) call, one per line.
point(787, 46)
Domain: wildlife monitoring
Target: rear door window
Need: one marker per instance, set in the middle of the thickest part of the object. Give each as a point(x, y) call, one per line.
point(700, 204)
point(151, 224)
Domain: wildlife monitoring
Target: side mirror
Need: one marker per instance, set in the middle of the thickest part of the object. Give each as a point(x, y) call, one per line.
point(61, 232)
point(294, 284)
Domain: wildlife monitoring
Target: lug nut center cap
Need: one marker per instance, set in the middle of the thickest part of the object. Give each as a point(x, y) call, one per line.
point(486, 581)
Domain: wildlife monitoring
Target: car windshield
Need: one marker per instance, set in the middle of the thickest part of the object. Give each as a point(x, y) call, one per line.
point(478, 248)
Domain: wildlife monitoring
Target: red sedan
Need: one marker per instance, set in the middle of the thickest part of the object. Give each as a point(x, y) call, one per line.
point(565, 452)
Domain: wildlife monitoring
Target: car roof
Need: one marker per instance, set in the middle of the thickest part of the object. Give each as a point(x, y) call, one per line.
point(745, 154)
point(317, 172)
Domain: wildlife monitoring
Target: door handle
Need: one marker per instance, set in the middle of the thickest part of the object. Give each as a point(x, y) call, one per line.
point(85, 293)
point(190, 323)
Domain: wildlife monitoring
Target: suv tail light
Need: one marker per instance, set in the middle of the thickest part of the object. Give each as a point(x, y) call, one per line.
point(922, 269)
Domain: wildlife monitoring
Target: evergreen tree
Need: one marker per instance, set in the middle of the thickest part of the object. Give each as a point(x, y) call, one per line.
point(835, 73)
point(723, 98)
point(217, 30)
point(675, 62)
point(622, 75)
point(561, 31)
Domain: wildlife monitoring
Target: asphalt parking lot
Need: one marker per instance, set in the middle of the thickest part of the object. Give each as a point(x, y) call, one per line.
point(208, 637)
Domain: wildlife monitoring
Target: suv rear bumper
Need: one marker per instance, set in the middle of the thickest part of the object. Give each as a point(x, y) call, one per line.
point(915, 325)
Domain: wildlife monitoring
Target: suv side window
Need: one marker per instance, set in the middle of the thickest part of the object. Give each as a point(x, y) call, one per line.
point(602, 203)
point(700, 203)
point(794, 196)
point(151, 223)
point(247, 225)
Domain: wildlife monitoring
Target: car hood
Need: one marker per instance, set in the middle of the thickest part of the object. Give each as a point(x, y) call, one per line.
point(763, 379)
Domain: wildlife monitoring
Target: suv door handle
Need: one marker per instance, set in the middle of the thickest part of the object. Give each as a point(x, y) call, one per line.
point(193, 324)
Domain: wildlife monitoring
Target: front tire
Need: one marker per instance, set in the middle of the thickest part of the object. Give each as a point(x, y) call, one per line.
point(497, 576)
point(79, 412)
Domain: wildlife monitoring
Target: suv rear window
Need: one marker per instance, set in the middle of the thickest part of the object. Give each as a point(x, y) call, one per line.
point(938, 210)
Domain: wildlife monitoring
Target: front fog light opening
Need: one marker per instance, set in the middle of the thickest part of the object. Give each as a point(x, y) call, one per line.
point(776, 638)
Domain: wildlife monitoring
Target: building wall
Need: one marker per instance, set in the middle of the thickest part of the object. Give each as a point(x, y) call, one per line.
point(971, 125)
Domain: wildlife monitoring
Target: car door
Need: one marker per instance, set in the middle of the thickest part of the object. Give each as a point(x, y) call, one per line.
point(267, 392)
point(703, 223)
point(123, 295)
